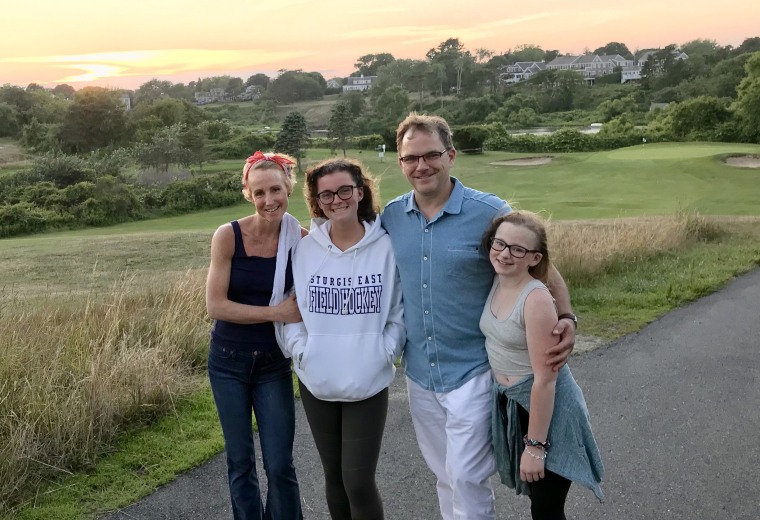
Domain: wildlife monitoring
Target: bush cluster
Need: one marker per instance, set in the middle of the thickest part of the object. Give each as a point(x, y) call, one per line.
point(243, 146)
point(358, 142)
point(561, 141)
point(61, 191)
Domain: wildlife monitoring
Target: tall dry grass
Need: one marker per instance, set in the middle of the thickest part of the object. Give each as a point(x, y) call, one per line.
point(74, 374)
point(583, 250)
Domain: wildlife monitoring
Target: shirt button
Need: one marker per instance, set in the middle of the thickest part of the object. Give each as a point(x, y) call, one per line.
point(424, 286)
point(427, 312)
point(430, 338)
point(426, 230)
point(424, 258)
point(432, 364)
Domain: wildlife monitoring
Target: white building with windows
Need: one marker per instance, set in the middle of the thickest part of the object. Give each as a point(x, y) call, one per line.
point(359, 83)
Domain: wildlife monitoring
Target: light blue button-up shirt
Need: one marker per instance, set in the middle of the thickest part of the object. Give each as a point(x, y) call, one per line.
point(445, 279)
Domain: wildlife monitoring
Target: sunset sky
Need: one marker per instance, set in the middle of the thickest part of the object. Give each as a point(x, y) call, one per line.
point(124, 44)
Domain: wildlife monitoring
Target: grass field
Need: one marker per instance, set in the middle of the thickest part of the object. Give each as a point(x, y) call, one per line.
point(137, 291)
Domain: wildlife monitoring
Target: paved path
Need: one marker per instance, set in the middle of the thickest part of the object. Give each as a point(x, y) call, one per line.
point(675, 409)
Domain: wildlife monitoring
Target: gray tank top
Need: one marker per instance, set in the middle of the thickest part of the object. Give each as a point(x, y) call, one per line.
point(506, 343)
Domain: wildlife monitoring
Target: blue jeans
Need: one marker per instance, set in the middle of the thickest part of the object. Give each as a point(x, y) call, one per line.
point(243, 381)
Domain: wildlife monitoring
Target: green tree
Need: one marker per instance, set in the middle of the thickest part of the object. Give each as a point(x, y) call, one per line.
point(95, 119)
point(39, 137)
point(20, 99)
point(152, 90)
point(747, 105)
point(163, 150)
point(390, 108)
point(46, 107)
point(749, 45)
point(449, 54)
point(698, 118)
point(613, 48)
point(9, 126)
point(319, 78)
point(726, 76)
point(234, 86)
point(369, 64)
point(355, 101)
point(195, 143)
point(293, 137)
point(528, 52)
point(295, 85)
point(341, 126)
point(63, 90)
point(260, 80)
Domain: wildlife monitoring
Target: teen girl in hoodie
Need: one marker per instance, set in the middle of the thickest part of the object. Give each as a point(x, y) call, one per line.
point(349, 295)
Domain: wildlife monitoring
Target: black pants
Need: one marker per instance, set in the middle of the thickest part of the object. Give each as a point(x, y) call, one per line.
point(348, 437)
point(548, 495)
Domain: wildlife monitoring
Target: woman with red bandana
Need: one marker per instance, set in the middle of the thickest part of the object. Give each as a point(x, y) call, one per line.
point(247, 296)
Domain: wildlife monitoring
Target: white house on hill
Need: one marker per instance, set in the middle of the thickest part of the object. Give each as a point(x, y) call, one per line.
point(520, 71)
point(359, 83)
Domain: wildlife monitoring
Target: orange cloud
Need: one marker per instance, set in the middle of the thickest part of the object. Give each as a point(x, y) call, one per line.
point(91, 67)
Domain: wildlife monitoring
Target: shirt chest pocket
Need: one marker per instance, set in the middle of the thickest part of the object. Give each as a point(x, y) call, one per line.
point(465, 263)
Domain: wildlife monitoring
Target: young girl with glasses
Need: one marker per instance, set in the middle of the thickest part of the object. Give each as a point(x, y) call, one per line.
point(541, 432)
point(349, 295)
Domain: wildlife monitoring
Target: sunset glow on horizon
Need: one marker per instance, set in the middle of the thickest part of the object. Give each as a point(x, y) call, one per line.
point(84, 42)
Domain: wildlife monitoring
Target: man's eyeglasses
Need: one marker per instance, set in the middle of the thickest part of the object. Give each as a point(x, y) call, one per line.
point(498, 244)
point(409, 160)
point(343, 193)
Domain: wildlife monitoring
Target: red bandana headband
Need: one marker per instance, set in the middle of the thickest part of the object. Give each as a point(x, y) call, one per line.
point(258, 157)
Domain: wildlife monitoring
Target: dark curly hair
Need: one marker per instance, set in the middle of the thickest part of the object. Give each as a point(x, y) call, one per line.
point(368, 206)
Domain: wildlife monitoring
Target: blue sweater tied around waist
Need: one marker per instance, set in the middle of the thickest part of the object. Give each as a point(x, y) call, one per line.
point(573, 453)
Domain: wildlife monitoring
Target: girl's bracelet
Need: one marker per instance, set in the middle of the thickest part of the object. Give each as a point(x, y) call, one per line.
point(533, 442)
point(537, 457)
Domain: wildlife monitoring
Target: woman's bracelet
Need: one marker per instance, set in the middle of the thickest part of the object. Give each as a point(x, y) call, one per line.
point(537, 457)
point(533, 442)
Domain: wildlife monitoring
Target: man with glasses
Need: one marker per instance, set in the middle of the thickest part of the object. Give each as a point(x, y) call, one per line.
point(435, 230)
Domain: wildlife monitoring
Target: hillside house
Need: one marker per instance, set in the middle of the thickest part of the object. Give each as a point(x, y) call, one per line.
point(520, 71)
point(359, 83)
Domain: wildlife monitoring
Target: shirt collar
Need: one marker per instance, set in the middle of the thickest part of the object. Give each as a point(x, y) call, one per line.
point(452, 206)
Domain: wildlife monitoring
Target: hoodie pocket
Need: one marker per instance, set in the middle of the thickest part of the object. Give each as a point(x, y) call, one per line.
point(345, 368)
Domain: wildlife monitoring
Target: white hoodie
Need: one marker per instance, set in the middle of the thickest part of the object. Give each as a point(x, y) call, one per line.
point(353, 317)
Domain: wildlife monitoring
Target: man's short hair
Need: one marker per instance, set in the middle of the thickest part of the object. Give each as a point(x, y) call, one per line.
point(431, 124)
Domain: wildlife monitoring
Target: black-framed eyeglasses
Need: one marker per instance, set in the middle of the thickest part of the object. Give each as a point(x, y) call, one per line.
point(429, 157)
point(343, 193)
point(498, 244)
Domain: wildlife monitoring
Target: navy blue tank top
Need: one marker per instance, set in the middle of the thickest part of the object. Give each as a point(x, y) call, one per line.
point(251, 283)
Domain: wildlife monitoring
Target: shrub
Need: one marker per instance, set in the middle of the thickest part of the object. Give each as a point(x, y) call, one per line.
point(26, 218)
point(359, 142)
point(209, 191)
point(243, 146)
point(61, 169)
point(469, 138)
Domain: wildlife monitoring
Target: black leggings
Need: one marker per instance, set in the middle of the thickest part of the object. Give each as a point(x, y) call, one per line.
point(548, 495)
point(348, 437)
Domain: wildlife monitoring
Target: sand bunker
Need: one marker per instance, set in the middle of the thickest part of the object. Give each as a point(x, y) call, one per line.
point(527, 161)
point(744, 161)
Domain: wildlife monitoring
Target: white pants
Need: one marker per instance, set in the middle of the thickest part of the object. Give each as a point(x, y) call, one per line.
point(454, 434)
